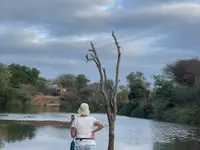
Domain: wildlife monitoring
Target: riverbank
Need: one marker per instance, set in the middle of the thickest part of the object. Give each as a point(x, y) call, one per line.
point(181, 115)
point(43, 100)
point(186, 115)
point(39, 123)
point(47, 123)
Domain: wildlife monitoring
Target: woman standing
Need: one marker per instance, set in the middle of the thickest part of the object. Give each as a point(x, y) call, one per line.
point(83, 129)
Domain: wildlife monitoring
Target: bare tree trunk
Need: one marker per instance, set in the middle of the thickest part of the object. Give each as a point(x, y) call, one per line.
point(110, 99)
point(111, 141)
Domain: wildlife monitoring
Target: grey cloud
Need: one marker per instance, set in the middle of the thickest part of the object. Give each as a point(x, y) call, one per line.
point(182, 36)
point(60, 17)
point(162, 35)
point(142, 3)
point(12, 43)
point(52, 14)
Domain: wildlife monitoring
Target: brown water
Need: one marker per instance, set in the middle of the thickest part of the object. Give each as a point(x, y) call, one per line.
point(131, 134)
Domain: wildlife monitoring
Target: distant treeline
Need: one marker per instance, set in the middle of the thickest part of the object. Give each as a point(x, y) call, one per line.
point(175, 95)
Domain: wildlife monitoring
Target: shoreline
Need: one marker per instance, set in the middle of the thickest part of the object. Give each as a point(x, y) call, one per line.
point(42, 123)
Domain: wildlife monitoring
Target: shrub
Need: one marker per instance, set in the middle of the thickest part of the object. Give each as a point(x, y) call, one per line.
point(14, 103)
point(16, 98)
point(178, 115)
point(193, 115)
point(137, 112)
point(126, 108)
point(186, 115)
point(24, 97)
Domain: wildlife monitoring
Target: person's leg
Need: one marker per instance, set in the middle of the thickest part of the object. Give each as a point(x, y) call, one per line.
point(90, 147)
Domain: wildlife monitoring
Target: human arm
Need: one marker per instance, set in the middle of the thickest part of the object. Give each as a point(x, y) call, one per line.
point(99, 126)
point(73, 129)
point(73, 132)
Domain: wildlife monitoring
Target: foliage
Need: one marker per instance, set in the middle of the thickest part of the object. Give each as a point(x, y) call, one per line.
point(65, 80)
point(175, 96)
point(50, 91)
point(17, 98)
point(12, 77)
point(189, 114)
point(126, 108)
point(23, 75)
point(41, 84)
point(175, 103)
point(133, 109)
point(81, 82)
point(29, 89)
point(5, 76)
point(138, 86)
point(184, 72)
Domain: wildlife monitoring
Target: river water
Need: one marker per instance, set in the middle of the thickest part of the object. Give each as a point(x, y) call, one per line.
point(131, 134)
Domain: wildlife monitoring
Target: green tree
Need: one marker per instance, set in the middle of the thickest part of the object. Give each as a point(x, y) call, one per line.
point(124, 88)
point(162, 86)
point(33, 75)
point(42, 84)
point(23, 75)
point(5, 77)
point(138, 86)
point(123, 93)
point(66, 81)
point(16, 98)
point(81, 81)
point(163, 95)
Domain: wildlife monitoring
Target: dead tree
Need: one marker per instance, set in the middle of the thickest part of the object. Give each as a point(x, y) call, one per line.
point(111, 98)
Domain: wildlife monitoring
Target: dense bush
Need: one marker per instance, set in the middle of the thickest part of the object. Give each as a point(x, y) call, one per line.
point(187, 115)
point(9, 95)
point(126, 108)
point(17, 98)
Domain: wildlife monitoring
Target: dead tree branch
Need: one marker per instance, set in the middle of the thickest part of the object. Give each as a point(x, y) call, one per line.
point(94, 57)
point(118, 62)
point(111, 104)
point(117, 73)
point(110, 88)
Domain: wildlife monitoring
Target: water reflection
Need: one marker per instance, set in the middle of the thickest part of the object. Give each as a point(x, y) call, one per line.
point(131, 134)
point(178, 145)
point(13, 131)
point(170, 136)
point(1, 143)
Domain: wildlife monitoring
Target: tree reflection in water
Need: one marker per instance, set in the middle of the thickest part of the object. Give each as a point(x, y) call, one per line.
point(1, 143)
point(14, 131)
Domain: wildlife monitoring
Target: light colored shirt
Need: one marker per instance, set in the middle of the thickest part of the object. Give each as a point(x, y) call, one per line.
point(84, 127)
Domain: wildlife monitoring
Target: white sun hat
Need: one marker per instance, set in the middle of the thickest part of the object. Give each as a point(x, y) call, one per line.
point(84, 109)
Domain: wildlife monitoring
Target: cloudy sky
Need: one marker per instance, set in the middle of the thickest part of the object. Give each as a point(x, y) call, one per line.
point(54, 35)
